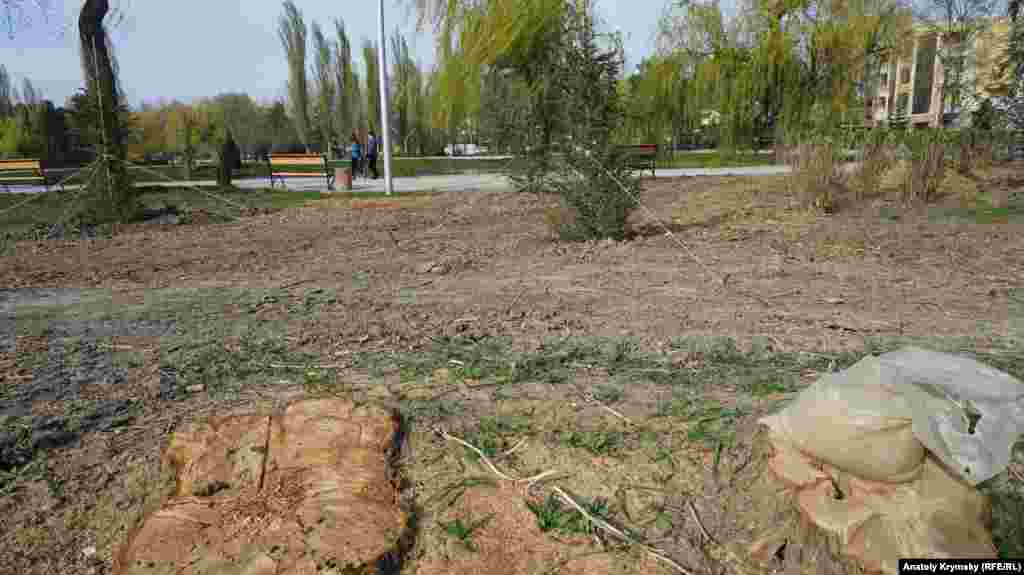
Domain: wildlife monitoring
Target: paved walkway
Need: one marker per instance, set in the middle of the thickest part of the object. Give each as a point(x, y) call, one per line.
point(448, 183)
point(497, 182)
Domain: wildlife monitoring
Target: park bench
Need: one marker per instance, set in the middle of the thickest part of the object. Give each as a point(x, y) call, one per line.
point(299, 166)
point(23, 172)
point(641, 156)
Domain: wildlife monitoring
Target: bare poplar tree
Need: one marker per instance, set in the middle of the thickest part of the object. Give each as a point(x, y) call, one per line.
point(346, 80)
point(6, 94)
point(29, 95)
point(292, 31)
point(372, 85)
point(323, 67)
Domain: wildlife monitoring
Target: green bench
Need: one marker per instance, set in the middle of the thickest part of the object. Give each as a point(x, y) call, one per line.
point(23, 172)
point(283, 166)
point(641, 156)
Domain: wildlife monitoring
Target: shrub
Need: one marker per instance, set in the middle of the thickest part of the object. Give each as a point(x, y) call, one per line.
point(815, 175)
point(878, 154)
point(570, 128)
point(927, 165)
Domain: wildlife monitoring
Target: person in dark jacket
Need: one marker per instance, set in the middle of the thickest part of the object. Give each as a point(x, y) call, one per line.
point(357, 155)
point(371, 153)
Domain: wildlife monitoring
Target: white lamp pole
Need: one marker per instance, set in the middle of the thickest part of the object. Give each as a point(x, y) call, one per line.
point(382, 65)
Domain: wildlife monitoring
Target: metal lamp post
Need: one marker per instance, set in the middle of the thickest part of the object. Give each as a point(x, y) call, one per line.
point(382, 65)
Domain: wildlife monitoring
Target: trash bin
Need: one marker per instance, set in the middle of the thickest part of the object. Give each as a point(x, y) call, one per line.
point(344, 177)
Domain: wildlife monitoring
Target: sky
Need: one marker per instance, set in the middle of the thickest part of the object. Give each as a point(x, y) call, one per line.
point(190, 49)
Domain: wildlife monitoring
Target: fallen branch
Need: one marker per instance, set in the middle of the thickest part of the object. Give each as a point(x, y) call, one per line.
point(700, 524)
point(311, 366)
point(519, 296)
point(1015, 473)
point(491, 465)
point(590, 397)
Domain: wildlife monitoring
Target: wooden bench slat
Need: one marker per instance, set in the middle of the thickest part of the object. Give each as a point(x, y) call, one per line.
point(6, 165)
point(296, 162)
point(20, 178)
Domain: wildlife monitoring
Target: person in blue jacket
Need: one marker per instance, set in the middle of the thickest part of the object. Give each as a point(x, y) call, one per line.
point(357, 155)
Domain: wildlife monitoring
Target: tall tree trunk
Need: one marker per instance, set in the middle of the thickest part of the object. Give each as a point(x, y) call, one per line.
point(101, 81)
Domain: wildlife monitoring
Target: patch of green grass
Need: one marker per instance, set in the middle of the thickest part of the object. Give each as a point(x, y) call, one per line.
point(447, 496)
point(432, 410)
point(596, 442)
point(20, 213)
point(714, 159)
point(890, 213)
point(718, 360)
point(608, 393)
point(557, 359)
point(225, 201)
point(554, 515)
point(30, 216)
point(462, 531)
point(202, 357)
point(12, 480)
point(487, 359)
point(711, 422)
point(198, 348)
point(492, 434)
point(1015, 311)
point(982, 211)
point(312, 300)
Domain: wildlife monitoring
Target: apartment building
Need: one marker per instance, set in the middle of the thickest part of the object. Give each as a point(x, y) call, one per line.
point(910, 82)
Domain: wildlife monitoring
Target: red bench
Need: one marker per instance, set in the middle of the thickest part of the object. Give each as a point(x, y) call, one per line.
point(641, 156)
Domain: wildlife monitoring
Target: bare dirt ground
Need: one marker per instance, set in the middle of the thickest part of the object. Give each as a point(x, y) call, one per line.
point(397, 299)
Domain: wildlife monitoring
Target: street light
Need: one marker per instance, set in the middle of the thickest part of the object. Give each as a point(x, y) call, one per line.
point(382, 65)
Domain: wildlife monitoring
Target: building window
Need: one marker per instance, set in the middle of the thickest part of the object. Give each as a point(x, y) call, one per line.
point(905, 75)
point(881, 103)
point(885, 80)
point(902, 104)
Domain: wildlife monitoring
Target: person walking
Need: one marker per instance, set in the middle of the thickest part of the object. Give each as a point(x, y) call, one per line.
point(371, 153)
point(357, 155)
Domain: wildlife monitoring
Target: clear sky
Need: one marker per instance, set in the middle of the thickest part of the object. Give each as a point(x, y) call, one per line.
point(187, 49)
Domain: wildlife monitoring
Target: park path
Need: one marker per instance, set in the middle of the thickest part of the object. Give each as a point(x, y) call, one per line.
point(443, 183)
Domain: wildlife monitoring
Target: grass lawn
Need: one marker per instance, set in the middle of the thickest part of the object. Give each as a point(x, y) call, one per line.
point(715, 159)
point(635, 371)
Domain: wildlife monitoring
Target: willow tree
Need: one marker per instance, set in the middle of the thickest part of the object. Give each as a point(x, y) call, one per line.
point(346, 83)
point(959, 22)
point(323, 68)
point(793, 65)
point(456, 93)
point(292, 32)
point(1011, 105)
point(657, 99)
